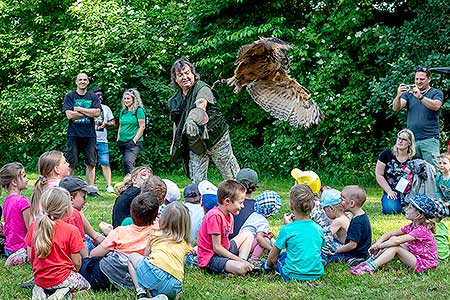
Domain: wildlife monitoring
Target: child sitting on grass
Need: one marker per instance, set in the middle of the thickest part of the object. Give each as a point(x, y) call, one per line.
point(267, 204)
point(13, 179)
point(55, 248)
point(331, 203)
point(443, 196)
point(301, 237)
point(108, 263)
point(359, 233)
point(216, 253)
point(161, 270)
point(420, 252)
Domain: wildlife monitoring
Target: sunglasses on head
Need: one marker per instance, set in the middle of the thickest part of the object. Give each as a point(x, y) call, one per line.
point(423, 69)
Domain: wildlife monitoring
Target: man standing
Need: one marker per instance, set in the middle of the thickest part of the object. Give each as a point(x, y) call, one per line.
point(81, 107)
point(218, 145)
point(423, 103)
point(106, 119)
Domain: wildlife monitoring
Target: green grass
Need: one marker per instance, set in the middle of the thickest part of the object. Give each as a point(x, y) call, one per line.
point(394, 281)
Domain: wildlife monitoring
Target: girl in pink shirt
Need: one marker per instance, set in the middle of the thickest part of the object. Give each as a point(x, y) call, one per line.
point(16, 210)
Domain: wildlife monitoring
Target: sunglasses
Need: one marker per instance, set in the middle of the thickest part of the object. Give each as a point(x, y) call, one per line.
point(423, 69)
point(131, 92)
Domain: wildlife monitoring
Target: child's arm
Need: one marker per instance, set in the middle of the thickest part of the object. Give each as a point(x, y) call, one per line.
point(99, 251)
point(336, 225)
point(147, 249)
point(347, 247)
point(26, 217)
point(375, 247)
point(396, 240)
point(76, 259)
point(262, 240)
point(89, 230)
point(220, 250)
point(273, 256)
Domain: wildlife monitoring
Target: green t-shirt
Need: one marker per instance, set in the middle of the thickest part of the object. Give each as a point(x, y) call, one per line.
point(441, 237)
point(129, 125)
point(303, 240)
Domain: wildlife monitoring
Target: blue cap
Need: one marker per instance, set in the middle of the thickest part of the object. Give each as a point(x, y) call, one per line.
point(330, 197)
point(191, 191)
point(209, 201)
point(424, 204)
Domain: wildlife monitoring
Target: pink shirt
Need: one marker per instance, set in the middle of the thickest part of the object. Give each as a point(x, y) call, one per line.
point(14, 227)
point(215, 222)
point(423, 247)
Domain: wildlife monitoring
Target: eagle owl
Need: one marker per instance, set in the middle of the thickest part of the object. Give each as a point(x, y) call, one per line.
point(262, 67)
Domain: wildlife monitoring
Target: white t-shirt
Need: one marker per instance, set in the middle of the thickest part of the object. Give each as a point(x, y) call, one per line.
point(255, 223)
point(106, 115)
point(197, 213)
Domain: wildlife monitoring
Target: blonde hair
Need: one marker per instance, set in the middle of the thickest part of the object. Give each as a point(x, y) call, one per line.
point(175, 222)
point(157, 186)
point(137, 101)
point(130, 178)
point(48, 161)
point(302, 199)
point(356, 193)
point(9, 173)
point(412, 148)
point(445, 156)
point(55, 204)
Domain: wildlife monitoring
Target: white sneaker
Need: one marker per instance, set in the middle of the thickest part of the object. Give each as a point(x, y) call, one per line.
point(38, 293)
point(59, 294)
point(110, 189)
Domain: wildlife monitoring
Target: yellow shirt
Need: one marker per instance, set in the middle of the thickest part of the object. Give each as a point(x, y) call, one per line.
point(168, 255)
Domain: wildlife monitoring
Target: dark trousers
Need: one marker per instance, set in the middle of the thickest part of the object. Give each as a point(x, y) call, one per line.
point(129, 151)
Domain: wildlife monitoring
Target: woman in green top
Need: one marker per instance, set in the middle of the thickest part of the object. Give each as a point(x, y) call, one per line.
point(131, 128)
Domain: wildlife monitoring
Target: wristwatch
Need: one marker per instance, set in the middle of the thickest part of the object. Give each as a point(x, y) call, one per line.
point(421, 97)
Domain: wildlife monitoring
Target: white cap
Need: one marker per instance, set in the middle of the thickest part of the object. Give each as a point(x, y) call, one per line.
point(173, 192)
point(206, 187)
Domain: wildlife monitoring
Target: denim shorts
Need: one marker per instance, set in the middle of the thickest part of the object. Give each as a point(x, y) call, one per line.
point(156, 280)
point(103, 153)
point(217, 263)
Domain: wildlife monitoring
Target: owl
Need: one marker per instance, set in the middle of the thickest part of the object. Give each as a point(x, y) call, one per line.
point(263, 69)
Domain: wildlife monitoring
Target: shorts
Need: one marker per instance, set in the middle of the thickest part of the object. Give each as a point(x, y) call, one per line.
point(217, 263)
point(156, 280)
point(103, 153)
point(86, 145)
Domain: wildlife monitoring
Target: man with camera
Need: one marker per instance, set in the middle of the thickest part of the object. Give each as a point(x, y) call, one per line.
point(423, 103)
point(106, 119)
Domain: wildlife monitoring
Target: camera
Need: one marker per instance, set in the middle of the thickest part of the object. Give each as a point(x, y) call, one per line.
point(408, 86)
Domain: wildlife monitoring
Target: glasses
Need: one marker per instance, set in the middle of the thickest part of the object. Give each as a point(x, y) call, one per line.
point(423, 69)
point(402, 139)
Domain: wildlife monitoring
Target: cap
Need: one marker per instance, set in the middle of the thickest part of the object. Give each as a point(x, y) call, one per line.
point(309, 178)
point(330, 197)
point(173, 192)
point(206, 187)
point(424, 204)
point(247, 174)
point(73, 183)
point(97, 89)
point(209, 201)
point(191, 191)
point(268, 203)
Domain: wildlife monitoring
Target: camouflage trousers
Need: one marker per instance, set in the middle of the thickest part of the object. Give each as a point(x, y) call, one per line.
point(221, 154)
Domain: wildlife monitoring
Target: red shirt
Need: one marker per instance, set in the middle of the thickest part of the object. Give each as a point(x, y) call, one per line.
point(214, 222)
point(55, 268)
point(76, 220)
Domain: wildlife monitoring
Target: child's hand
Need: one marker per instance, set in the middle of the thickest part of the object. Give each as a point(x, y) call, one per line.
point(287, 218)
point(374, 249)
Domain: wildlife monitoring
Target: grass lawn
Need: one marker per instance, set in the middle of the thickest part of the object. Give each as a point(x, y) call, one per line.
point(394, 281)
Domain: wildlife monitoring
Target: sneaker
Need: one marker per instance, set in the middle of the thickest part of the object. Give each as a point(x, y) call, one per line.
point(257, 263)
point(361, 269)
point(27, 284)
point(94, 194)
point(19, 257)
point(110, 189)
point(59, 294)
point(354, 261)
point(38, 293)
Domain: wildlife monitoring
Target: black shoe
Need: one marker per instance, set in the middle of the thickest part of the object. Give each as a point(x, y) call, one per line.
point(94, 194)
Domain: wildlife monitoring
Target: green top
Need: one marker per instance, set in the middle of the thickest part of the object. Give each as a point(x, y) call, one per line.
point(129, 125)
point(441, 237)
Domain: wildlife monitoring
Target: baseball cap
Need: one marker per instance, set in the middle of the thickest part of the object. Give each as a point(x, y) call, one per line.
point(309, 178)
point(191, 191)
point(73, 183)
point(209, 201)
point(247, 174)
point(424, 204)
point(330, 197)
point(173, 192)
point(206, 187)
point(268, 203)
point(97, 89)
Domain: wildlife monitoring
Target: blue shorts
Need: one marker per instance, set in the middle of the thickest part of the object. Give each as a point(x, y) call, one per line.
point(156, 280)
point(217, 263)
point(103, 153)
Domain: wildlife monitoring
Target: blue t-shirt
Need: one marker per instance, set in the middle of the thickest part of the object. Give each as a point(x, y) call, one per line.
point(303, 240)
point(422, 121)
point(360, 232)
point(442, 188)
point(244, 213)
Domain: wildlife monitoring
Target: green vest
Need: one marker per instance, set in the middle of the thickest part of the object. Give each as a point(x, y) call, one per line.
point(180, 106)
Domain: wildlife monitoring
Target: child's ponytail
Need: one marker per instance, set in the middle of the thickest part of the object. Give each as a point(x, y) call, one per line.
point(55, 205)
point(36, 195)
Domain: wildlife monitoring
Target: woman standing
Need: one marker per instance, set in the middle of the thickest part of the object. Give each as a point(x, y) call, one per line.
point(390, 169)
point(131, 128)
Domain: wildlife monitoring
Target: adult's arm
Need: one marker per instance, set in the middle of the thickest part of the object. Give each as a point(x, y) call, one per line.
point(88, 112)
point(381, 180)
point(74, 115)
point(433, 104)
point(399, 102)
point(140, 131)
point(173, 137)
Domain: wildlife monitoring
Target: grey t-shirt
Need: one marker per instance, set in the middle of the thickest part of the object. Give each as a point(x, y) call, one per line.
point(256, 223)
point(106, 115)
point(423, 122)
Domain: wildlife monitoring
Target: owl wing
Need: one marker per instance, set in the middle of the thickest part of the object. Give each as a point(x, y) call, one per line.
point(284, 98)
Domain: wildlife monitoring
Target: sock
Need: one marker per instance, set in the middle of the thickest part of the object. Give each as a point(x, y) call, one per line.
point(140, 290)
point(371, 264)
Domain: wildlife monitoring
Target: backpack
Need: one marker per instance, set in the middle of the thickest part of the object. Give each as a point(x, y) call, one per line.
point(147, 121)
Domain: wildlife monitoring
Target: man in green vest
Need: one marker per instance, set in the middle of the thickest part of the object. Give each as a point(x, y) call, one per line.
point(217, 146)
